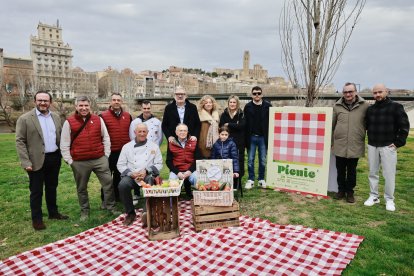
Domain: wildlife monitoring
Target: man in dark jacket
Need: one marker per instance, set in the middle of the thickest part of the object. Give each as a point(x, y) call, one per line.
point(180, 110)
point(348, 139)
point(256, 113)
point(387, 128)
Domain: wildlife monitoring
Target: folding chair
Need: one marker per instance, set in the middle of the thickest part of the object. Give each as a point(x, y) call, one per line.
point(239, 187)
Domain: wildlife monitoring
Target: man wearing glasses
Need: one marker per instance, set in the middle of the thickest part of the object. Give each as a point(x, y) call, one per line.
point(180, 111)
point(37, 143)
point(348, 139)
point(387, 128)
point(257, 128)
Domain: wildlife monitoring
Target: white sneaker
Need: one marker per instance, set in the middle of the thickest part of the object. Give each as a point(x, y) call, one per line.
point(135, 199)
point(262, 183)
point(371, 201)
point(390, 206)
point(249, 184)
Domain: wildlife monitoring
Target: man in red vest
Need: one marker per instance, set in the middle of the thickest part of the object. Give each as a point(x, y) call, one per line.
point(85, 146)
point(117, 122)
point(182, 154)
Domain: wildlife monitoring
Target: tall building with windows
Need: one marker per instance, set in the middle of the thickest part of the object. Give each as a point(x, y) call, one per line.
point(52, 61)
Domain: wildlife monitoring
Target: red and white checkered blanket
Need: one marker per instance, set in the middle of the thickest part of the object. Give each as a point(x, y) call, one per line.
point(256, 247)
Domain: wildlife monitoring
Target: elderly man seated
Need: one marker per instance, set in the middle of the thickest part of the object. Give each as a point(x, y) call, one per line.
point(182, 154)
point(139, 160)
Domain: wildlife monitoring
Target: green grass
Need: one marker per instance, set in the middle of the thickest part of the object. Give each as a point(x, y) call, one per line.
point(386, 250)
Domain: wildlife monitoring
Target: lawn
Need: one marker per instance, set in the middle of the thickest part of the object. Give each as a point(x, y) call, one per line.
point(389, 236)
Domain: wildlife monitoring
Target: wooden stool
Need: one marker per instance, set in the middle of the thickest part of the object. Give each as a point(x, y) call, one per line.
point(162, 218)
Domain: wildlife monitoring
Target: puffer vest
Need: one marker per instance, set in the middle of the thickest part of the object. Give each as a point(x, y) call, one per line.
point(183, 157)
point(88, 144)
point(118, 128)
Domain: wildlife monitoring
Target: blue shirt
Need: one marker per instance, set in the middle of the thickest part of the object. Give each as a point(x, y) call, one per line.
point(48, 130)
point(181, 112)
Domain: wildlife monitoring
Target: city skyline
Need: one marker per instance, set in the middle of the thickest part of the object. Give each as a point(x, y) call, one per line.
point(154, 36)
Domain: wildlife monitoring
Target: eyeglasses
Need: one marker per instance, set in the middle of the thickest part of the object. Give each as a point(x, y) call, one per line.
point(257, 93)
point(348, 92)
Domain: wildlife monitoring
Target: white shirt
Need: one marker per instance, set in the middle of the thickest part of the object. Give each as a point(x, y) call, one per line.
point(154, 129)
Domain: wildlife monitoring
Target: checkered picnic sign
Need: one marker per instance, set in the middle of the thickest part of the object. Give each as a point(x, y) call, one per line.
point(299, 147)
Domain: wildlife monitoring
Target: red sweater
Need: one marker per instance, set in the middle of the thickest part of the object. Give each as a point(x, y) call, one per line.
point(88, 144)
point(118, 128)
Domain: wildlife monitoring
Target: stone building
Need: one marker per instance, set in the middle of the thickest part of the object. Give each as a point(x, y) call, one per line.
point(17, 77)
point(84, 83)
point(52, 61)
point(255, 75)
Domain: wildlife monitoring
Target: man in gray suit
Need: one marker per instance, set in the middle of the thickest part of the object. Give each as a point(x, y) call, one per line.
point(37, 142)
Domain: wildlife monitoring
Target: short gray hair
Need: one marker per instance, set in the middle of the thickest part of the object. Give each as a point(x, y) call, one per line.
point(82, 99)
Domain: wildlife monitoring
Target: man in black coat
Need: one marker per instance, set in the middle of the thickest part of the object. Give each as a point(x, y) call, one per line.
point(387, 128)
point(180, 110)
point(256, 113)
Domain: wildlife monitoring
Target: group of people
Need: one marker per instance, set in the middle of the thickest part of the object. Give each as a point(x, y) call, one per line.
point(387, 126)
point(122, 151)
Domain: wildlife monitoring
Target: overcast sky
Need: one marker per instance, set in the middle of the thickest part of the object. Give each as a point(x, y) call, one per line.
point(206, 34)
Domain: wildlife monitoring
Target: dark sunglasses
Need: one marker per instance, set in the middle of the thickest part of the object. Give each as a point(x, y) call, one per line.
point(257, 93)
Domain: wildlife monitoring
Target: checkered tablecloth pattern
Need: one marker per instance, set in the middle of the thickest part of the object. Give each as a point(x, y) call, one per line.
point(299, 137)
point(256, 247)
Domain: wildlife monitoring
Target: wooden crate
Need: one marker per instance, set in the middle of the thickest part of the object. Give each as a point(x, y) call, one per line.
point(210, 217)
point(213, 198)
point(162, 218)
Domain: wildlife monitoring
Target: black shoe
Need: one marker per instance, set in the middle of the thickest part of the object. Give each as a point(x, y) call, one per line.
point(350, 198)
point(129, 219)
point(339, 195)
point(38, 225)
point(58, 216)
point(187, 188)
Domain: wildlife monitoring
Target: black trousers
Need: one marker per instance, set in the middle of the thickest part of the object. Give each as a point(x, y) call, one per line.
point(49, 175)
point(346, 170)
point(116, 176)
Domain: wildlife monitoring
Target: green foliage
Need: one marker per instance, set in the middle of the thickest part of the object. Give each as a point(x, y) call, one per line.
point(386, 250)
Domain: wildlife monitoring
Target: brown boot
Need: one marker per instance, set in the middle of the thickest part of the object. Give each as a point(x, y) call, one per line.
point(38, 225)
point(144, 220)
point(350, 197)
point(129, 219)
point(339, 195)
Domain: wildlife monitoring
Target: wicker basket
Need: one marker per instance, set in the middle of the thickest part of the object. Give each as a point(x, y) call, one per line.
point(213, 198)
point(162, 192)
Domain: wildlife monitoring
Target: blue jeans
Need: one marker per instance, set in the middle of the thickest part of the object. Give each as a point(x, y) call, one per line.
point(259, 143)
point(192, 178)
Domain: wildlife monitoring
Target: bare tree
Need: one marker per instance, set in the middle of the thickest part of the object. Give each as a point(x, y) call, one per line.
point(128, 81)
point(314, 35)
point(5, 109)
point(22, 88)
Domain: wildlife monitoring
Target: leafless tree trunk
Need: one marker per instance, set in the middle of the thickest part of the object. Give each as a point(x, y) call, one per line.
point(5, 109)
point(314, 35)
point(21, 88)
point(128, 80)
